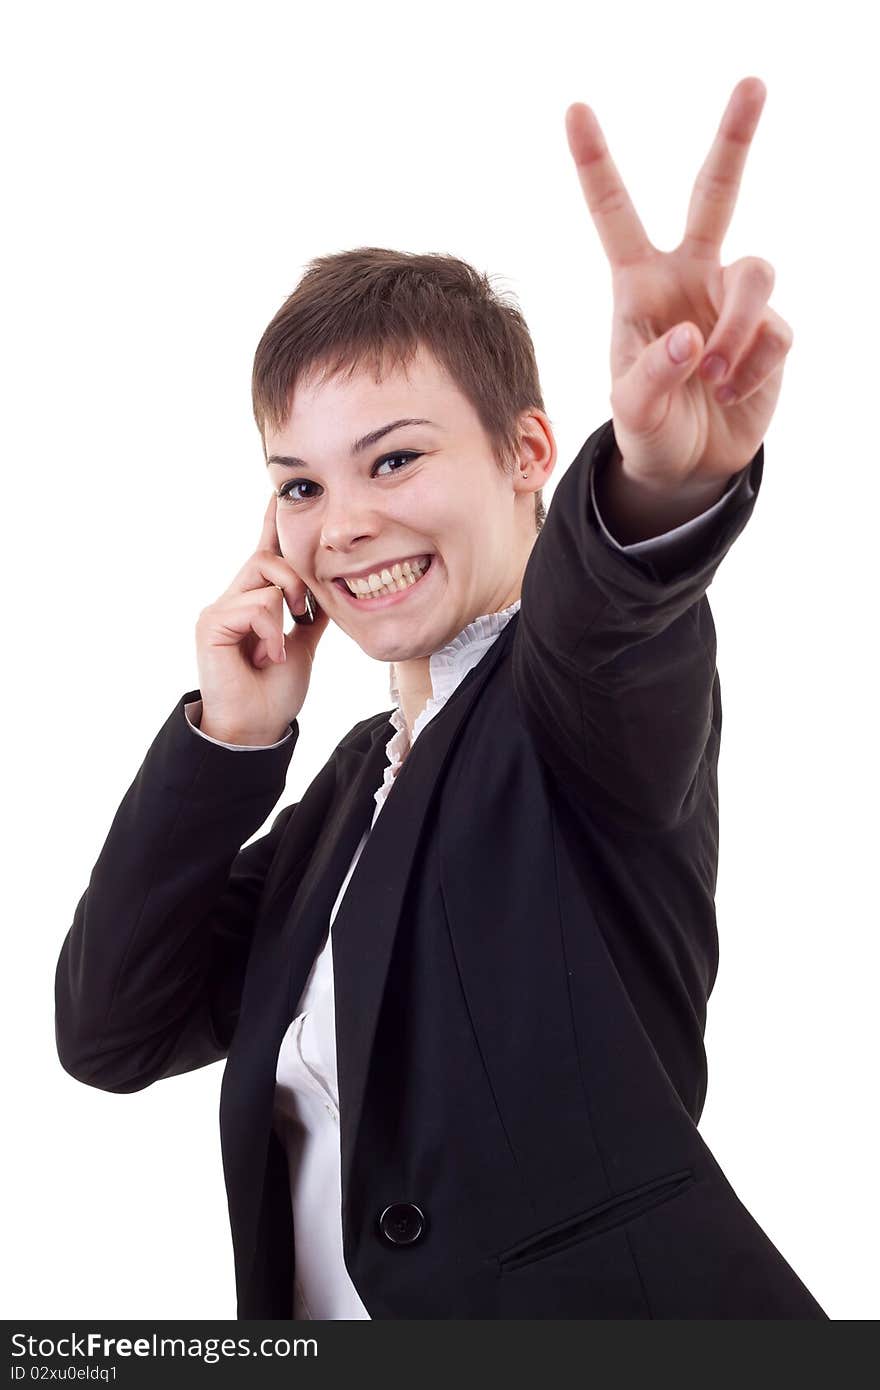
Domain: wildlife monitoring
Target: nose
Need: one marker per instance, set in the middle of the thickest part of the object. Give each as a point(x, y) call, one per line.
point(346, 525)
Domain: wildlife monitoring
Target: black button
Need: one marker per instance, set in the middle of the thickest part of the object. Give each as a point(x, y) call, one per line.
point(402, 1223)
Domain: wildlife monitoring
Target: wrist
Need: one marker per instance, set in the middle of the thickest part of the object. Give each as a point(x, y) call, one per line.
point(248, 738)
point(635, 510)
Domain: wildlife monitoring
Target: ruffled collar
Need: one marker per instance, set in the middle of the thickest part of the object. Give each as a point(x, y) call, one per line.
point(448, 667)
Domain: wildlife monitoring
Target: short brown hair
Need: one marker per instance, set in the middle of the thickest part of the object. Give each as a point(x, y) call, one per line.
point(375, 303)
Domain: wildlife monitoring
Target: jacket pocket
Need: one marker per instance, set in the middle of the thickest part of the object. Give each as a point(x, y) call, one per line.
point(612, 1212)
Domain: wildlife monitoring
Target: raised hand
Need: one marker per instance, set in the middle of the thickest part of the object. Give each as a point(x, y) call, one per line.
point(678, 314)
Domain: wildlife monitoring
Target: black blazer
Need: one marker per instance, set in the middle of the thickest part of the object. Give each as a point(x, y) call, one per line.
point(522, 961)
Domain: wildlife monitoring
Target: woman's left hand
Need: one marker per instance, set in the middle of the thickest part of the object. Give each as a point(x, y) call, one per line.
point(673, 428)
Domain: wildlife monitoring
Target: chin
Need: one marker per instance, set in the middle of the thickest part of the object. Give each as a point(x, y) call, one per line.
point(394, 651)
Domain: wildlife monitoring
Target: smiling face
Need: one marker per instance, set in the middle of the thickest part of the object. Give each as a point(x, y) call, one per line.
point(428, 489)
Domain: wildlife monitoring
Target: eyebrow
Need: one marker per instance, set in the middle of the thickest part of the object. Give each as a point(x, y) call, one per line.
point(290, 461)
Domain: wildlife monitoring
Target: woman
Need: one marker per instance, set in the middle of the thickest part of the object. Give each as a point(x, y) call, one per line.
point(461, 985)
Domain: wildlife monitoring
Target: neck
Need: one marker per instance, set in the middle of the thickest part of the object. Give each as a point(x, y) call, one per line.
point(413, 677)
point(414, 689)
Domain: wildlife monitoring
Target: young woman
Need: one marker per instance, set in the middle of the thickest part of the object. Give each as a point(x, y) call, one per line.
point(461, 986)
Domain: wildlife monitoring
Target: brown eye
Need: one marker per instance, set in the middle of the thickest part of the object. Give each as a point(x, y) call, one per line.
point(288, 496)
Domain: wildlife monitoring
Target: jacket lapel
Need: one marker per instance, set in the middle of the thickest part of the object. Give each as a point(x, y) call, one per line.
point(293, 923)
point(366, 923)
point(362, 937)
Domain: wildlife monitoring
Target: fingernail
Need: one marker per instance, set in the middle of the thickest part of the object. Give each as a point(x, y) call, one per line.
point(681, 345)
point(713, 367)
point(725, 395)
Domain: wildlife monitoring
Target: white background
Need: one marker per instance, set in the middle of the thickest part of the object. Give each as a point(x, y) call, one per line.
point(169, 169)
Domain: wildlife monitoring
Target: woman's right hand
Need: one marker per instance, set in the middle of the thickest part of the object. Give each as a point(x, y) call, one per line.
point(250, 693)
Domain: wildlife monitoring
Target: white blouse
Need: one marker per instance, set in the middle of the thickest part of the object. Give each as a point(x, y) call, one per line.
point(306, 1107)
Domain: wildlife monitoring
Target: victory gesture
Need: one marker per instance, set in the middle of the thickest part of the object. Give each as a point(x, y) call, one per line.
point(697, 355)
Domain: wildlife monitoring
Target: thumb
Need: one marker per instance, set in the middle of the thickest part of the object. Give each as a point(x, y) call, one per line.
point(659, 368)
point(680, 348)
point(309, 633)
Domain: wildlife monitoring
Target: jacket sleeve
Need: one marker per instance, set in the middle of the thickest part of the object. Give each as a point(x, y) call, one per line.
point(193, 711)
point(614, 654)
point(149, 978)
point(677, 545)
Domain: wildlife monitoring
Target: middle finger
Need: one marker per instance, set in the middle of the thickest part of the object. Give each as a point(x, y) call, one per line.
point(620, 229)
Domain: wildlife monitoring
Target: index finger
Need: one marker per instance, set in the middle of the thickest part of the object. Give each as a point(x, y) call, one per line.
point(617, 222)
point(269, 534)
point(717, 184)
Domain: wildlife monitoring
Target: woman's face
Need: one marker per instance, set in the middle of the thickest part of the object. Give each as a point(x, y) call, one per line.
point(420, 489)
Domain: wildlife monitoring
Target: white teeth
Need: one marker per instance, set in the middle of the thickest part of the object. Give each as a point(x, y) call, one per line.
point(400, 576)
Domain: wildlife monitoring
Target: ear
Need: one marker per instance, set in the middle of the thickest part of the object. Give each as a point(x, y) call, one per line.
point(537, 451)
